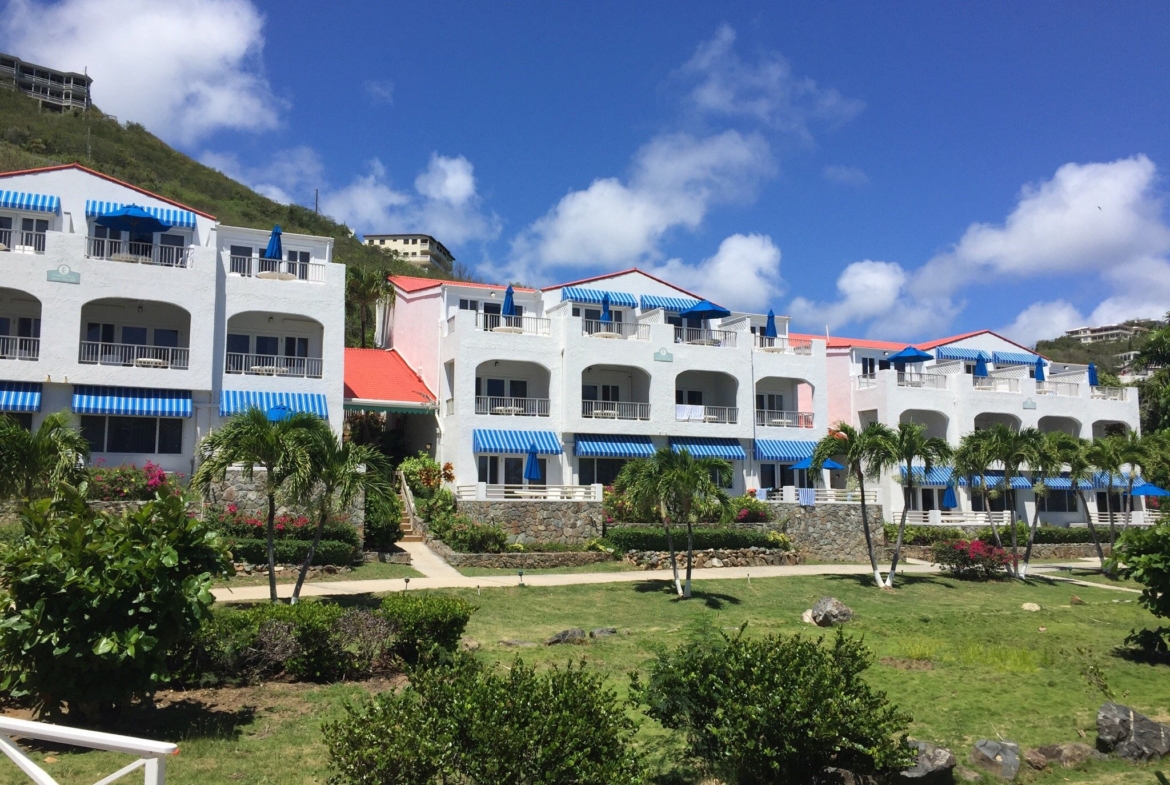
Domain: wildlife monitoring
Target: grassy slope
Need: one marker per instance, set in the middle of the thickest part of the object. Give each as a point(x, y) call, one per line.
point(1104, 355)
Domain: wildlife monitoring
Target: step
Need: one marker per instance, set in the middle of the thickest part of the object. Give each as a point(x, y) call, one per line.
point(412, 538)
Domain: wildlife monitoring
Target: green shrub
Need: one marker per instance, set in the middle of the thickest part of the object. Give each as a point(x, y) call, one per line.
point(236, 525)
point(467, 536)
point(94, 601)
point(923, 535)
point(293, 552)
point(10, 533)
point(929, 535)
point(437, 507)
point(1145, 557)
point(776, 709)
point(422, 620)
point(749, 509)
point(129, 482)
point(424, 475)
point(383, 521)
point(650, 538)
point(470, 725)
point(617, 509)
point(973, 559)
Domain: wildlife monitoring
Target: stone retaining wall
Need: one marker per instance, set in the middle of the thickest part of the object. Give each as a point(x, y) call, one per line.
point(1039, 551)
point(250, 498)
point(518, 561)
point(739, 557)
point(570, 523)
point(826, 532)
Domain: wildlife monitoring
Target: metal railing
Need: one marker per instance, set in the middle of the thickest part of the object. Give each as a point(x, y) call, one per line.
point(133, 355)
point(615, 410)
point(272, 365)
point(866, 380)
point(518, 325)
point(152, 755)
point(16, 348)
point(700, 336)
point(139, 253)
point(1108, 393)
point(634, 330)
point(449, 407)
point(21, 241)
point(716, 414)
point(825, 495)
point(1071, 389)
point(782, 344)
point(276, 269)
point(936, 381)
point(563, 493)
point(516, 407)
point(776, 418)
point(993, 384)
point(955, 518)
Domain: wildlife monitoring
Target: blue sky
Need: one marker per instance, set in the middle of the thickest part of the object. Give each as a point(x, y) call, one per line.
point(897, 171)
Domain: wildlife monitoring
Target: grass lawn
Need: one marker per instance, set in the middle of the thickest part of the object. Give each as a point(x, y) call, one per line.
point(369, 571)
point(963, 658)
point(605, 566)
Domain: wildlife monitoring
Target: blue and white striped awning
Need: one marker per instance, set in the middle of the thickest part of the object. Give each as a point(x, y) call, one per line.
point(652, 301)
point(709, 447)
point(1065, 484)
point(580, 294)
point(1015, 358)
point(515, 442)
point(236, 401)
point(995, 480)
point(168, 215)
point(959, 353)
point(784, 450)
point(131, 401)
point(20, 396)
point(938, 475)
point(38, 203)
point(596, 445)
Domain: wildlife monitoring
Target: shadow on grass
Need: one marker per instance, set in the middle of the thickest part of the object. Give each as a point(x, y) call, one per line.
point(713, 600)
point(901, 581)
point(180, 721)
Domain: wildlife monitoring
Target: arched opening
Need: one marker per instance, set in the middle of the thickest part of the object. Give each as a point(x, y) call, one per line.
point(1103, 428)
point(1052, 424)
point(512, 388)
point(936, 422)
point(615, 392)
point(20, 325)
point(987, 420)
point(783, 402)
point(265, 343)
point(706, 396)
point(135, 333)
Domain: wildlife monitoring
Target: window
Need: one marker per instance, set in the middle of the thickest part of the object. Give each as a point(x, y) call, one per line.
point(5, 325)
point(489, 469)
point(298, 264)
point(997, 504)
point(495, 388)
point(238, 344)
point(134, 335)
point(99, 333)
point(599, 470)
point(518, 388)
point(773, 402)
point(1058, 501)
point(513, 471)
point(883, 365)
point(469, 305)
point(928, 498)
point(609, 392)
point(267, 344)
point(424, 241)
point(689, 397)
point(296, 347)
point(589, 392)
point(969, 368)
point(381, 242)
point(142, 435)
point(28, 327)
point(767, 475)
point(868, 365)
point(169, 338)
point(131, 434)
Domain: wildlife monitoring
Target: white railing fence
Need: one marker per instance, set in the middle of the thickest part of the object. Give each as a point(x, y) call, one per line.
point(276, 269)
point(563, 493)
point(824, 495)
point(152, 755)
point(599, 329)
point(21, 241)
point(782, 344)
point(140, 253)
point(866, 380)
point(703, 337)
point(133, 355)
point(966, 518)
point(519, 407)
point(518, 325)
point(935, 381)
point(993, 384)
point(715, 414)
point(1108, 393)
point(1071, 389)
point(15, 348)
point(781, 419)
point(272, 365)
point(615, 410)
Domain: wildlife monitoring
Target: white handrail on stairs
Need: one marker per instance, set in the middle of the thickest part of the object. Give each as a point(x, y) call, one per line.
point(152, 755)
point(408, 501)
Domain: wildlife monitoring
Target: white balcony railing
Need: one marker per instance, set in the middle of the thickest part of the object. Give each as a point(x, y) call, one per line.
point(132, 355)
point(16, 348)
point(782, 344)
point(935, 381)
point(994, 384)
point(866, 380)
point(824, 495)
point(516, 407)
point(272, 365)
point(775, 418)
point(628, 330)
point(21, 241)
point(1070, 389)
point(1108, 393)
point(716, 414)
point(152, 755)
point(966, 518)
point(516, 325)
point(615, 410)
point(698, 336)
point(137, 253)
point(276, 269)
point(564, 493)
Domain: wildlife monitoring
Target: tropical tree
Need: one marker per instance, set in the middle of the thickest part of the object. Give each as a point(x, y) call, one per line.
point(278, 446)
point(1044, 466)
point(1105, 456)
point(35, 463)
point(973, 460)
point(911, 444)
point(1074, 453)
point(365, 287)
point(1011, 449)
point(1135, 453)
point(339, 471)
point(638, 484)
point(866, 454)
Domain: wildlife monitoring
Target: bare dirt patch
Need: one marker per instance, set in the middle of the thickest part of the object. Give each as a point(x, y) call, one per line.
point(904, 664)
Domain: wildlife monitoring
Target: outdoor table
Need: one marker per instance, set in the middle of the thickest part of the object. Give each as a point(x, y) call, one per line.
point(150, 362)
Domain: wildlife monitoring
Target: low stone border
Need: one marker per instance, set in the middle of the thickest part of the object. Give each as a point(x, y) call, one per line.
point(386, 557)
point(1084, 550)
point(532, 560)
point(739, 557)
point(247, 568)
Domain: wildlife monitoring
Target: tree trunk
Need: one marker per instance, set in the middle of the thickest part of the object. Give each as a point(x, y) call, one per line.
point(362, 318)
point(271, 542)
point(987, 509)
point(670, 549)
point(1031, 539)
point(1009, 506)
point(296, 595)
point(1128, 505)
point(1092, 528)
point(1112, 529)
point(877, 575)
point(690, 558)
point(907, 495)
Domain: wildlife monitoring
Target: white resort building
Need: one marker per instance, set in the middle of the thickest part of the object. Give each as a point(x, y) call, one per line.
point(154, 332)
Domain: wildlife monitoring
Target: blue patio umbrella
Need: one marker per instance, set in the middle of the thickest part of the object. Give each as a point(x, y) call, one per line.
point(950, 501)
point(770, 327)
point(606, 316)
point(1149, 489)
point(1040, 369)
point(278, 413)
point(910, 355)
point(980, 367)
point(1093, 380)
point(806, 463)
point(509, 308)
point(532, 465)
point(274, 250)
point(705, 310)
point(133, 219)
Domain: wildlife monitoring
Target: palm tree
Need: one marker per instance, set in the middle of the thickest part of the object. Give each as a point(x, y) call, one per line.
point(365, 287)
point(251, 440)
point(1074, 453)
point(866, 454)
point(1011, 448)
point(973, 460)
point(1044, 464)
point(1135, 452)
point(638, 484)
point(1105, 455)
point(339, 472)
point(910, 444)
point(37, 462)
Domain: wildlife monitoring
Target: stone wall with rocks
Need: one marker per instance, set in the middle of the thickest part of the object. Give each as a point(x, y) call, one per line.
point(826, 532)
point(1039, 551)
point(517, 561)
point(250, 499)
point(713, 557)
point(570, 523)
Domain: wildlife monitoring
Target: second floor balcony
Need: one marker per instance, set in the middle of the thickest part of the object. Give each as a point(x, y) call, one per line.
point(276, 269)
point(512, 325)
point(272, 365)
point(933, 381)
point(1069, 389)
point(17, 348)
point(615, 330)
point(615, 410)
point(774, 418)
point(21, 241)
point(702, 336)
point(782, 344)
point(728, 415)
point(137, 253)
point(995, 384)
point(129, 355)
point(1099, 393)
point(512, 407)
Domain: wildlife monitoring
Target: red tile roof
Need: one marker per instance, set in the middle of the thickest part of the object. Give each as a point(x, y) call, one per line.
point(87, 170)
point(622, 272)
point(380, 375)
point(411, 284)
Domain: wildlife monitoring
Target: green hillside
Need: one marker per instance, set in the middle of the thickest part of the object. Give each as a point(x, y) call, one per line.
point(1104, 354)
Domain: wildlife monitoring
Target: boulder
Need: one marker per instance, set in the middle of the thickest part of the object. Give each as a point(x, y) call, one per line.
point(1031, 607)
point(1075, 600)
point(469, 644)
point(830, 612)
point(574, 635)
point(1132, 736)
point(602, 632)
point(935, 766)
point(1001, 758)
point(1067, 755)
point(1036, 760)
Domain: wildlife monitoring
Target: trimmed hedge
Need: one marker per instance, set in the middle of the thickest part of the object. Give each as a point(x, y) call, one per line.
point(293, 551)
point(421, 620)
point(653, 538)
point(1045, 535)
point(299, 529)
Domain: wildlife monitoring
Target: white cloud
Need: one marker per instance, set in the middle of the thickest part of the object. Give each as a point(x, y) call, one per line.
point(744, 273)
point(290, 176)
point(845, 175)
point(1043, 321)
point(182, 68)
point(867, 289)
point(379, 91)
point(450, 180)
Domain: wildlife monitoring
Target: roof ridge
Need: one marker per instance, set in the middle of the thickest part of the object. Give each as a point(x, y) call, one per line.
point(104, 176)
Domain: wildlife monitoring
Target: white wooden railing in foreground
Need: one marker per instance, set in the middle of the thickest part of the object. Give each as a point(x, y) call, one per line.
point(953, 518)
point(788, 493)
point(556, 493)
point(152, 755)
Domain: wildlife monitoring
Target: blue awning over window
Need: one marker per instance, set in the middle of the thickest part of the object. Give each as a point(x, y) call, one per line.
point(1065, 484)
point(169, 216)
point(596, 445)
point(20, 396)
point(131, 401)
point(1014, 358)
point(39, 203)
point(958, 353)
point(515, 442)
point(995, 480)
point(579, 294)
point(938, 475)
point(236, 401)
point(783, 450)
point(709, 447)
point(652, 301)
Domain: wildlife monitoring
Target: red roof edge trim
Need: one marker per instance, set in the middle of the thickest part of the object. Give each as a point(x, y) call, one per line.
point(86, 169)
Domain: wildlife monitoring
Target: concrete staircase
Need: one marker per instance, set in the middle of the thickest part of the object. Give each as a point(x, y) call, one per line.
point(409, 533)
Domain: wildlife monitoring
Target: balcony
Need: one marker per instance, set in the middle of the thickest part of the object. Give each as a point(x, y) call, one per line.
point(700, 336)
point(1070, 389)
point(137, 253)
point(615, 410)
point(14, 348)
point(823, 495)
point(512, 325)
point(514, 407)
point(25, 242)
point(714, 414)
point(934, 381)
point(992, 384)
point(272, 365)
point(276, 269)
point(558, 493)
point(782, 344)
point(1109, 393)
point(774, 418)
point(132, 355)
point(616, 330)
point(866, 381)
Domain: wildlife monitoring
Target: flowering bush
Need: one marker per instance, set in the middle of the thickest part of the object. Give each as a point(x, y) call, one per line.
point(424, 475)
point(748, 509)
point(617, 509)
point(129, 482)
point(234, 524)
point(970, 558)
